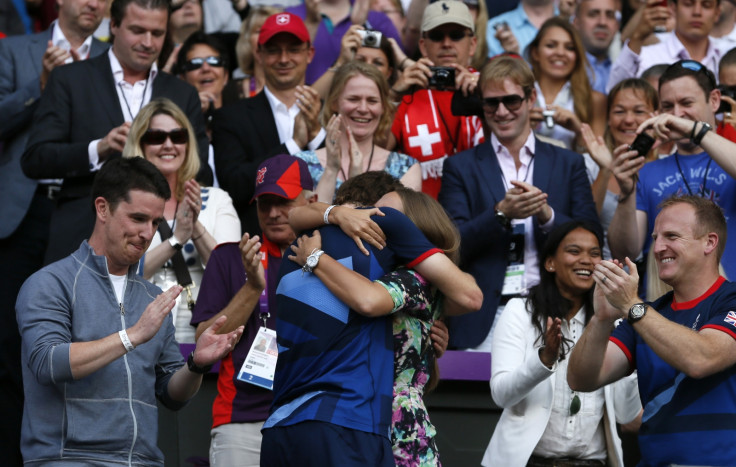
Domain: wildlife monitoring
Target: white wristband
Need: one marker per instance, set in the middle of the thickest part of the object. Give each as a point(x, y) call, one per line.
point(327, 213)
point(126, 341)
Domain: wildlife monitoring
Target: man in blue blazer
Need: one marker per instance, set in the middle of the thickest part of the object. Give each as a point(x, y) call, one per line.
point(25, 206)
point(86, 111)
point(505, 195)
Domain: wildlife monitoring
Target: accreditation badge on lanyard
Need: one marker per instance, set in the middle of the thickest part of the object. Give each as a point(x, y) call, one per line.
point(513, 281)
point(260, 363)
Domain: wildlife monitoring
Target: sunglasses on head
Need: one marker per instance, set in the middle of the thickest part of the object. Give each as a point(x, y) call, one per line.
point(455, 35)
point(196, 63)
point(177, 136)
point(512, 102)
point(697, 67)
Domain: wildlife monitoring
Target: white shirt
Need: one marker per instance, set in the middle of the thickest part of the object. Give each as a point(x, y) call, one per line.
point(524, 174)
point(581, 435)
point(669, 50)
point(563, 99)
point(132, 98)
point(118, 285)
point(58, 39)
point(284, 118)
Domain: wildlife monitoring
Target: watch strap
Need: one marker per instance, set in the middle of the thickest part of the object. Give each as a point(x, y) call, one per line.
point(705, 128)
point(194, 368)
point(502, 218)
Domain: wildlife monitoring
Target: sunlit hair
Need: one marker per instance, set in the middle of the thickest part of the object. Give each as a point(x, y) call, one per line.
point(480, 57)
point(119, 176)
point(133, 147)
point(243, 50)
point(344, 74)
point(432, 220)
point(580, 87)
point(367, 188)
point(545, 300)
point(655, 286)
point(708, 215)
point(430, 217)
point(512, 67)
point(642, 90)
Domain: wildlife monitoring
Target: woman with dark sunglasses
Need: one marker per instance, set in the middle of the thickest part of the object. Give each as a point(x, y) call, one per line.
point(201, 62)
point(197, 218)
point(565, 98)
point(544, 422)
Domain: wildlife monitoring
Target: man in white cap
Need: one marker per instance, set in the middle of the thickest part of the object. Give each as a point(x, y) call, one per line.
point(424, 126)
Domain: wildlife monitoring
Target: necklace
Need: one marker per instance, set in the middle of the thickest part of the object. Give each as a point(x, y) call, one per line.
point(684, 179)
point(370, 161)
point(125, 99)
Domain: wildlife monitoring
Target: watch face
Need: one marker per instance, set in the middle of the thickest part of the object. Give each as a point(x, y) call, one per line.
point(312, 261)
point(638, 310)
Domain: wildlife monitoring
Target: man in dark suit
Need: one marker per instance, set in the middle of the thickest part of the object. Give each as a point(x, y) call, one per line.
point(283, 118)
point(86, 111)
point(505, 195)
point(25, 62)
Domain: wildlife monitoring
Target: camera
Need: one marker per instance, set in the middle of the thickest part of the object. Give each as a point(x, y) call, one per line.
point(642, 144)
point(729, 91)
point(370, 38)
point(501, 26)
point(443, 77)
point(549, 119)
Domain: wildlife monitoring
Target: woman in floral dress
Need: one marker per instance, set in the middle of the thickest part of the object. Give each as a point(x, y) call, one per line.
point(415, 304)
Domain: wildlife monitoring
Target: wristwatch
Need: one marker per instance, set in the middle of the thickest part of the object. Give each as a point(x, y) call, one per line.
point(312, 260)
point(194, 368)
point(705, 128)
point(502, 219)
point(175, 243)
point(637, 312)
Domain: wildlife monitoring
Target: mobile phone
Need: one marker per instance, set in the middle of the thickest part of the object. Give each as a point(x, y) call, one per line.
point(501, 25)
point(729, 91)
point(642, 144)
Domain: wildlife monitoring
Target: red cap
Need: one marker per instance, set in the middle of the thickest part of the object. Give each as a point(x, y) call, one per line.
point(283, 22)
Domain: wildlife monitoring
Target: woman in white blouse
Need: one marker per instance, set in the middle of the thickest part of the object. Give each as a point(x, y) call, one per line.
point(543, 420)
point(199, 217)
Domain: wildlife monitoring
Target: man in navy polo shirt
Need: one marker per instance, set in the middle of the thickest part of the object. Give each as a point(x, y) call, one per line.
point(683, 344)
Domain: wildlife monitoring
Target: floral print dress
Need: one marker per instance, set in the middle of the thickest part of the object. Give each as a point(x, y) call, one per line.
point(416, 307)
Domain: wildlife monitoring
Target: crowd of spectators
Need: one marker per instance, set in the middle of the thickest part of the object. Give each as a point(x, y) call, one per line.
point(546, 140)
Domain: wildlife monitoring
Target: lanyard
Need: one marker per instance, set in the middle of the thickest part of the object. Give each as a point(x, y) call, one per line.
point(125, 99)
point(263, 299)
point(506, 185)
point(687, 185)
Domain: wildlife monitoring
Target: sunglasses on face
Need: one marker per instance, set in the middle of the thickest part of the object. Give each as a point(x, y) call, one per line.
point(154, 137)
point(196, 63)
point(512, 102)
point(456, 35)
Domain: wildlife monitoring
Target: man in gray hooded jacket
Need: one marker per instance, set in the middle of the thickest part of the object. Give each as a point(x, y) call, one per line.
point(98, 343)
